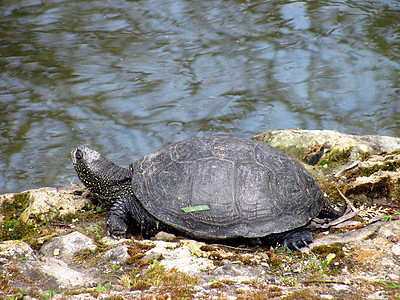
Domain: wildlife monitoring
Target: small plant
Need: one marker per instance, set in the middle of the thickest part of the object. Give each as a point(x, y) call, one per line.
point(17, 297)
point(325, 263)
point(391, 284)
point(126, 281)
point(388, 218)
point(103, 289)
point(310, 264)
point(289, 281)
point(157, 281)
point(286, 251)
point(155, 260)
point(96, 232)
point(255, 280)
point(50, 294)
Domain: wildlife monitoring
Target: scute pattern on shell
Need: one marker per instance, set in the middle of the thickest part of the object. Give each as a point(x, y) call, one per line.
point(251, 188)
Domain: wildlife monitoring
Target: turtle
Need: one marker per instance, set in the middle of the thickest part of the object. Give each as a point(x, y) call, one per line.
point(216, 188)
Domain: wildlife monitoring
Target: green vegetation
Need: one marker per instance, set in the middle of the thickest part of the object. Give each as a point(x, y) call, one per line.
point(13, 227)
point(388, 218)
point(48, 295)
point(103, 289)
point(393, 288)
point(20, 296)
point(177, 284)
point(390, 284)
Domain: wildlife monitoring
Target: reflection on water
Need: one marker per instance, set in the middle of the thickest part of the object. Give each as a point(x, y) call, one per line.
point(128, 77)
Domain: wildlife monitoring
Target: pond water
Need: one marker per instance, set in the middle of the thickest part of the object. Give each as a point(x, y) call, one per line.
point(128, 77)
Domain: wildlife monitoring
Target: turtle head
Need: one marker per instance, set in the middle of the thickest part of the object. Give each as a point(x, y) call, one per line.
point(98, 174)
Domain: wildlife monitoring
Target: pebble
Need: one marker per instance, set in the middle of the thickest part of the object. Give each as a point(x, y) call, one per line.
point(164, 236)
point(396, 249)
point(341, 287)
point(378, 295)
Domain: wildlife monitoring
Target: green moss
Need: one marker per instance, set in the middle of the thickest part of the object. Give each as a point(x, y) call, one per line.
point(325, 163)
point(137, 252)
point(22, 199)
point(177, 284)
point(395, 193)
point(208, 248)
point(12, 209)
point(215, 256)
point(303, 294)
point(341, 156)
point(324, 250)
point(263, 292)
point(228, 281)
point(114, 298)
point(275, 261)
point(367, 172)
point(13, 228)
point(330, 266)
point(216, 285)
point(16, 230)
point(134, 258)
point(87, 257)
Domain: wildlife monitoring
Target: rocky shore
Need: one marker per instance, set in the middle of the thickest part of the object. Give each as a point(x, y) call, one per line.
point(54, 245)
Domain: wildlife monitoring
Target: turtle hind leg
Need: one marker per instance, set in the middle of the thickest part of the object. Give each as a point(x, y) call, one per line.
point(329, 212)
point(293, 239)
point(296, 239)
point(346, 213)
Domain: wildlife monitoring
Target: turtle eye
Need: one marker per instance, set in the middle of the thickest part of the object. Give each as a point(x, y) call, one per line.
point(78, 154)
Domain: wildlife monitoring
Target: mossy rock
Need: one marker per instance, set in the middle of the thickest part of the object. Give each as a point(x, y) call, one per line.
point(45, 204)
point(338, 146)
point(338, 149)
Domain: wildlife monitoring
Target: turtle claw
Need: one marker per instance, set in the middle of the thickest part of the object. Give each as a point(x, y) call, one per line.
point(297, 239)
point(116, 227)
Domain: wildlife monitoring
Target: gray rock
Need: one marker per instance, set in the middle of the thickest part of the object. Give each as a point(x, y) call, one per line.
point(347, 237)
point(378, 295)
point(118, 254)
point(237, 272)
point(340, 287)
point(16, 250)
point(65, 247)
point(185, 256)
point(53, 274)
point(110, 241)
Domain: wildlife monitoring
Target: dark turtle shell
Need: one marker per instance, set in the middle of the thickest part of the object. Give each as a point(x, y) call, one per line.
point(224, 187)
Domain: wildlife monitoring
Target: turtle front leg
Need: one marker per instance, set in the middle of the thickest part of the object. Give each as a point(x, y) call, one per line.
point(118, 219)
